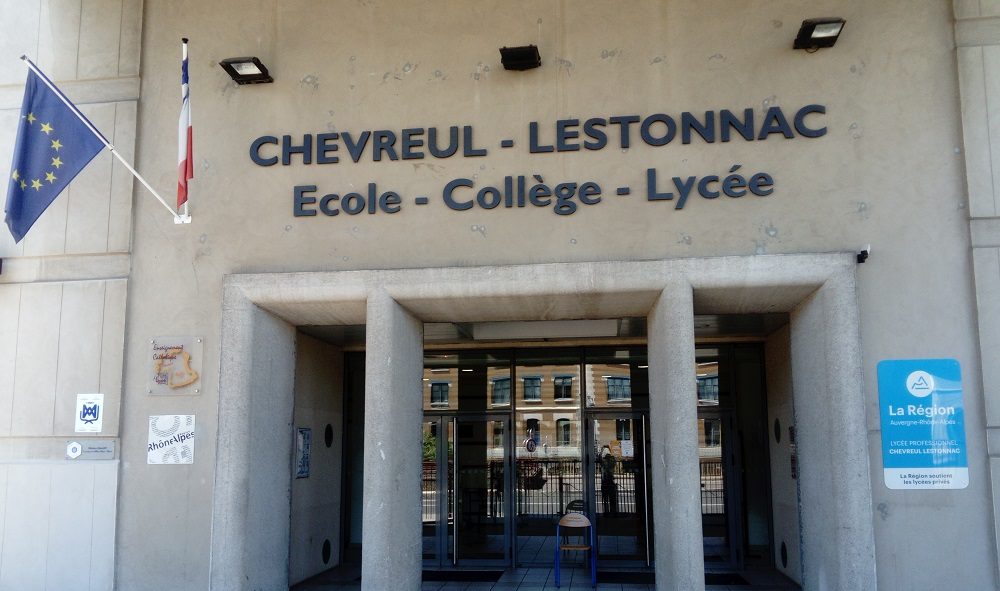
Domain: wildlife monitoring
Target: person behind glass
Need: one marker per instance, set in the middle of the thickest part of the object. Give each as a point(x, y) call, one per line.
point(609, 490)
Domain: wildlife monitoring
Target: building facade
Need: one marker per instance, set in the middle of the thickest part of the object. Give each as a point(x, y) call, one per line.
point(426, 304)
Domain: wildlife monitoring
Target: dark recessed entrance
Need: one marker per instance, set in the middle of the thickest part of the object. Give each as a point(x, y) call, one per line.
point(515, 438)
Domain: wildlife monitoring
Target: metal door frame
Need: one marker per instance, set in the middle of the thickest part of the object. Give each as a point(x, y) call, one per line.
point(441, 458)
point(732, 481)
point(443, 473)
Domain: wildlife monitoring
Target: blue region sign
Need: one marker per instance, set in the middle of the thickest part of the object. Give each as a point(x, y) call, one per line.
point(923, 424)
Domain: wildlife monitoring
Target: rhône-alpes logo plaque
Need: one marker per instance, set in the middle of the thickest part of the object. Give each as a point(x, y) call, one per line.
point(171, 439)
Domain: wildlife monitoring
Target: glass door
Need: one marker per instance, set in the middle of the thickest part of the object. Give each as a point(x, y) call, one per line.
point(481, 477)
point(463, 505)
point(720, 507)
point(617, 404)
point(714, 525)
point(437, 492)
point(620, 485)
point(548, 450)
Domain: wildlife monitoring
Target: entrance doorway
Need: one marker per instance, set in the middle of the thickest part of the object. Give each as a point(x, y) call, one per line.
point(465, 474)
point(819, 448)
point(620, 485)
point(515, 439)
point(733, 457)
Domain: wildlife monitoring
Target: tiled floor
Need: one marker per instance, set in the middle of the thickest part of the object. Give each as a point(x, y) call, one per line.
point(347, 578)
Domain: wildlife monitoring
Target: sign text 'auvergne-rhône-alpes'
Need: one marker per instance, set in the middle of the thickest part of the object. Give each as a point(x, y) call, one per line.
point(524, 190)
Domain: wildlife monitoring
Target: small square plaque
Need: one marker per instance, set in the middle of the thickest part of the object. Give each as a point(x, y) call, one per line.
point(171, 439)
point(175, 365)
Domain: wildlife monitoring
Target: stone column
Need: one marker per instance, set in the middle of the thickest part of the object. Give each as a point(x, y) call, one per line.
point(838, 540)
point(254, 454)
point(673, 418)
point(391, 543)
point(977, 37)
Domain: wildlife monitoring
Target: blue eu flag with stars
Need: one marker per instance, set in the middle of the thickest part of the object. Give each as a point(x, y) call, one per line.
point(53, 146)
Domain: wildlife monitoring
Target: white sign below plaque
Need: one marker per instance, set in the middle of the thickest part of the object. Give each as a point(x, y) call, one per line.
point(171, 439)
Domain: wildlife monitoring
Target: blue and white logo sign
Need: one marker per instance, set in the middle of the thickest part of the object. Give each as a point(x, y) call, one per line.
point(89, 413)
point(923, 424)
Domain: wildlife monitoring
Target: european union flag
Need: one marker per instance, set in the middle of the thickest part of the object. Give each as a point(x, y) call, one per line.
point(53, 146)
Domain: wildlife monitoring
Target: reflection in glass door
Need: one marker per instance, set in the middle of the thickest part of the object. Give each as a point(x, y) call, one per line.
point(620, 487)
point(437, 492)
point(547, 446)
point(714, 522)
point(480, 482)
point(513, 440)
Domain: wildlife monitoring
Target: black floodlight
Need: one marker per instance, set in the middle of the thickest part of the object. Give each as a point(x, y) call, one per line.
point(246, 70)
point(520, 58)
point(818, 32)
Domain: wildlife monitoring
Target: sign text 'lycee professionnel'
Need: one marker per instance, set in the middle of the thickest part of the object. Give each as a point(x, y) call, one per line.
point(923, 424)
point(524, 190)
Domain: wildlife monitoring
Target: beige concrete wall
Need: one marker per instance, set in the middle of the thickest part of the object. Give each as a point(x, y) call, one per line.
point(316, 500)
point(784, 487)
point(891, 171)
point(59, 524)
point(63, 291)
point(977, 34)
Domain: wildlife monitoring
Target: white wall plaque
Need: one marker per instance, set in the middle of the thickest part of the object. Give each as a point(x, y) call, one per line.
point(171, 439)
point(91, 449)
point(89, 413)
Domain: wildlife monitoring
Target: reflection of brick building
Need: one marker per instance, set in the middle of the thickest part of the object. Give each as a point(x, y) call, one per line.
point(547, 399)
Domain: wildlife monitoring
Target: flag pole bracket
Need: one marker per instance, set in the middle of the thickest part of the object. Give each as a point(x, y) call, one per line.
point(182, 219)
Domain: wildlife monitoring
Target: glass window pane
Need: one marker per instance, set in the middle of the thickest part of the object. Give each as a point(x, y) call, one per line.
point(547, 446)
point(501, 391)
point(439, 394)
point(532, 388)
point(617, 377)
point(429, 491)
point(707, 375)
point(562, 388)
point(464, 380)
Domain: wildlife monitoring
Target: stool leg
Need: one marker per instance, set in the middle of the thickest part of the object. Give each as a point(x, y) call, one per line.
point(557, 557)
point(593, 558)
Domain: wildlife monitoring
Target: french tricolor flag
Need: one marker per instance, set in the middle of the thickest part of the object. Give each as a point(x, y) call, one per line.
point(185, 158)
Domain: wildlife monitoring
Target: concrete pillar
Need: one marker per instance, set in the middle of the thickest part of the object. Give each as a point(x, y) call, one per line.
point(977, 37)
point(673, 418)
point(253, 459)
point(391, 544)
point(838, 540)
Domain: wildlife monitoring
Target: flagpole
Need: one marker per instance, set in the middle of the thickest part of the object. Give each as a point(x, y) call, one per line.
point(98, 134)
point(185, 217)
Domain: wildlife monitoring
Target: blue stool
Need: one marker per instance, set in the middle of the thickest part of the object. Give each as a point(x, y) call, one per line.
point(577, 520)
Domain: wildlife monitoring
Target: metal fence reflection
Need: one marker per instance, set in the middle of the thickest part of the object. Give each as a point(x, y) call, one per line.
point(712, 489)
point(548, 487)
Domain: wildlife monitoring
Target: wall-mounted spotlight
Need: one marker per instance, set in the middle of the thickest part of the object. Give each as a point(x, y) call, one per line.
point(520, 58)
point(246, 70)
point(818, 32)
